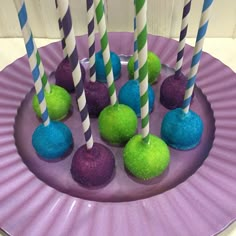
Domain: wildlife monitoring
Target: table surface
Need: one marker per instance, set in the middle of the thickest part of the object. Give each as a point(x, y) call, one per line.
point(223, 49)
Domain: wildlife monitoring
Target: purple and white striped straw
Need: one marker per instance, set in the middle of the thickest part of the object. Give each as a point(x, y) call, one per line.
point(136, 71)
point(91, 39)
point(63, 43)
point(182, 38)
point(64, 10)
point(206, 12)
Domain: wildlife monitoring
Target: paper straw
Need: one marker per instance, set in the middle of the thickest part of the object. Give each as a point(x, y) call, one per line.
point(91, 39)
point(136, 74)
point(141, 17)
point(31, 53)
point(43, 75)
point(99, 8)
point(64, 10)
point(63, 43)
point(207, 7)
point(182, 37)
point(42, 72)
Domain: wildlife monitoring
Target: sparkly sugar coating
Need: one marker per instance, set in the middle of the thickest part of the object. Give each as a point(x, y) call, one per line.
point(182, 131)
point(146, 160)
point(63, 75)
point(100, 68)
point(172, 91)
point(117, 124)
point(154, 67)
point(53, 141)
point(58, 103)
point(97, 97)
point(94, 167)
point(129, 95)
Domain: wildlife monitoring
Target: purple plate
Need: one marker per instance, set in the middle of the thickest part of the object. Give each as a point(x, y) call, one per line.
point(195, 196)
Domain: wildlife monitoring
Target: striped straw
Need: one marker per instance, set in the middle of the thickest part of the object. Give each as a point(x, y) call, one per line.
point(136, 74)
point(91, 40)
point(43, 75)
point(42, 72)
point(32, 56)
point(64, 10)
point(141, 17)
point(99, 8)
point(63, 43)
point(182, 38)
point(206, 10)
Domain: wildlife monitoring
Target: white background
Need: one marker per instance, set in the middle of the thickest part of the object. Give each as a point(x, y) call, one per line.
point(164, 17)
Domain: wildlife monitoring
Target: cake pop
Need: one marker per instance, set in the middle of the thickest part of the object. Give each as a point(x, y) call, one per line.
point(117, 123)
point(100, 68)
point(129, 95)
point(181, 130)
point(154, 67)
point(93, 167)
point(58, 103)
point(63, 75)
point(146, 160)
point(172, 91)
point(97, 97)
point(52, 141)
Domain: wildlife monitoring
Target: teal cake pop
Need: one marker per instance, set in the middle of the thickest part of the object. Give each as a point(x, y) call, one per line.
point(129, 95)
point(53, 141)
point(100, 67)
point(181, 130)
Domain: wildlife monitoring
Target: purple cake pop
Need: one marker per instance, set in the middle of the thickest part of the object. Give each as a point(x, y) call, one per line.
point(97, 97)
point(63, 75)
point(93, 167)
point(172, 91)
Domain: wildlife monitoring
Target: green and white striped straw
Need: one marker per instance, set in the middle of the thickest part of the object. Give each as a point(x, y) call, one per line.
point(101, 21)
point(141, 21)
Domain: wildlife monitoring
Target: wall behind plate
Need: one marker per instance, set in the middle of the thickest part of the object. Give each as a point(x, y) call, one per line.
point(164, 17)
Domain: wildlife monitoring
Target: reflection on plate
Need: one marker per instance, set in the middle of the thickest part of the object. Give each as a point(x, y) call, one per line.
point(122, 187)
point(201, 205)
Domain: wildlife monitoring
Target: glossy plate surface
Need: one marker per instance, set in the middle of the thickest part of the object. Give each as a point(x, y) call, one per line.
point(202, 205)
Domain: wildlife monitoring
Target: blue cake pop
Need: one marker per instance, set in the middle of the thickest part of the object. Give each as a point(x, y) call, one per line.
point(181, 130)
point(129, 95)
point(100, 68)
point(52, 141)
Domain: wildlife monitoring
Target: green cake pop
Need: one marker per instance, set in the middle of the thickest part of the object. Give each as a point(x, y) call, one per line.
point(117, 123)
point(154, 67)
point(58, 103)
point(146, 160)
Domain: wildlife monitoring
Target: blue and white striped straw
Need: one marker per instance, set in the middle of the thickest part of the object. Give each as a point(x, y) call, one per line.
point(206, 10)
point(32, 56)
